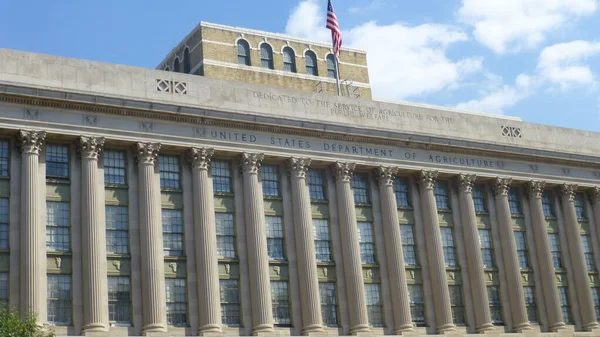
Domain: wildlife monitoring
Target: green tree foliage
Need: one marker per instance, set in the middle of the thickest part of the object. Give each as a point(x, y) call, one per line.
point(12, 325)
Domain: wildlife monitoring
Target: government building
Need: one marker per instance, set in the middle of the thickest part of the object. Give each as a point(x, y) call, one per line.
point(229, 192)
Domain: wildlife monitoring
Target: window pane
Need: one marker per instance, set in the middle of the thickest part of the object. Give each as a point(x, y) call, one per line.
point(401, 192)
point(172, 224)
point(269, 176)
point(169, 172)
point(331, 71)
point(311, 63)
point(565, 305)
point(230, 302)
point(59, 300)
point(456, 302)
point(417, 304)
point(58, 221)
point(530, 303)
point(360, 187)
point(522, 250)
point(587, 252)
point(275, 238)
point(289, 60)
point(596, 297)
point(495, 305)
point(176, 290)
point(367, 242)
point(119, 299)
point(57, 161)
point(548, 204)
point(408, 245)
point(448, 246)
point(580, 207)
point(4, 288)
point(3, 223)
point(117, 226)
point(328, 303)
point(243, 52)
point(114, 167)
point(321, 234)
point(487, 253)
point(555, 248)
point(514, 201)
point(225, 235)
point(316, 185)
point(281, 303)
point(221, 176)
point(440, 191)
point(374, 306)
point(266, 56)
point(4, 158)
point(479, 198)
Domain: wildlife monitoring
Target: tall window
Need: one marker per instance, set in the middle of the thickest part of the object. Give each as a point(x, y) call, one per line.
point(117, 226)
point(275, 246)
point(374, 307)
point(580, 207)
point(119, 299)
point(230, 302)
point(487, 253)
point(269, 175)
point(596, 297)
point(170, 168)
point(448, 246)
point(408, 245)
point(401, 192)
point(514, 201)
point(367, 242)
point(311, 63)
point(176, 65)
point(57, 161)
point(331, 69)
point(59, 300)
point(547, 204)
point(176, 290)
point(456, 303)
point(417, 304)
point(114, 168)
point(187, 68)
point(243, 52)
point(3, 223)
point(442, 199)
point(328, 303)
point(221, 176)
point(4, 158)
point(225, 235)
point(289, 60)
point(555, 249)
point(522, 250)
point(322, 239)
point(479, 198)
point(266, 56)
point(495, 305)
point(587, 252)
point(281, 303)
point(316, 185)
point(172, 224)
point(565, 306)
point(529, 294)
point(360, 186)
point(58, 221)
point(3, 289)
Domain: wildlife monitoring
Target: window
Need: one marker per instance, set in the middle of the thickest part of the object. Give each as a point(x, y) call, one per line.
point(316, 185)
point(57, 161)
point(243, 52)
point(3, 289)
point(58, 221)
point(479, 198)
point(275, 238)
point(555, 249)
point(230, 302)
point(172, 225)
point(3, 223)
point(4, 158)
point(266, 56)
point(487, 253)
point(529, 294)
point(176, 301)
point(331, 69)
point(495, 305)
point(117, 226)
point(169, 172)
point(59, 300)
point(328, 303)
point(360, 187)
point(522, 250)
point(176, 65)
point(167, 68)
point(579, 207)
point(565, 306)
point(221, 176)
point(456, 303)
point(587, 252)
point(448, 246)
point(225, 235)
point(514, 201)
point(114, 168)
point(547, 204)
point(281, 303)
point(322, 246)
point(367, 242)
point(440, 191)
point(408, 245)
point(186, 61)
point(289, 60)
point(311, 63)
point(269, 176)
point(374, 308)
point(119, 299)
point(417, 304)
point(596, 297)
point(401, 192)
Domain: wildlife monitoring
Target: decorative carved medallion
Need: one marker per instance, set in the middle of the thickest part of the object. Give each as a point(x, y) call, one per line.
point(173, 266)
point(525, 277)
point(251, 162)
point(369, 273)
point(32, 114)
point(199, 158)
point(227, 268)
point(535, 188)
point(343, 171)
point(325, 271)
point(277, 270)
point(90, 120)
point(427, 179)
point(465, 182)
point(90, 147)
point(298, 167)
point(385, 175)
point(146, 153)
point(58, 262)
point(568, 191)
point(117, 264)
point(31, 141)
point(500, 186)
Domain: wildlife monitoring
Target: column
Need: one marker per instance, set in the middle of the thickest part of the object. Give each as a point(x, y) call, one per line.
point(93, 238)
point(205, 235)
point(481, 303)
point(393, 250)
point(578, 265)
point(33, 249)
point(512, 269)
point(310, 299)
point(435, 255)
point(355, 287)
point(151, 243)
point(544, 255)
point(258, 258)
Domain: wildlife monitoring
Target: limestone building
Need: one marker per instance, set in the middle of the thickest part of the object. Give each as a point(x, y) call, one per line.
point(145, 202)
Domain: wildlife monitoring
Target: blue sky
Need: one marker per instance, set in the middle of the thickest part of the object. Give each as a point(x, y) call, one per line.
point(535, 59)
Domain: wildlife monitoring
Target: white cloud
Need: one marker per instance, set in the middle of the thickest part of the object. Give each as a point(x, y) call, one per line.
point(562, 63)
point(509, 25)
point(371, 5)
point(307, 20)
point(498, 98)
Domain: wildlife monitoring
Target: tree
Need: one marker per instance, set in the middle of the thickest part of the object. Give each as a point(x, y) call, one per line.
point(11, 325)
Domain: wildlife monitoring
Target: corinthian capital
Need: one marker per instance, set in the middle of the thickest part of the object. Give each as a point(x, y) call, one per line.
point(90, 147)
point(594, 194)
point(427, 179)
point(31, 141)
point(251, 162)
point(500, 186)
point(568, 191)
point(298, 167)
point(146, 153)
point(199, 158)
point(534, 188)
point(343, 171)
point(465, 182)
point(385, 175)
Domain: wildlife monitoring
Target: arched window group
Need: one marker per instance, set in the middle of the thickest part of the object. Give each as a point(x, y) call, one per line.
point(243, 52)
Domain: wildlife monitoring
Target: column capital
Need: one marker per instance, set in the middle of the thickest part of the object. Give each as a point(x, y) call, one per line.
point(427, 178)
point(298, 167)
point(31, 141)
point(594, 194)
point(199, 157)
point(90, 147)
point(250, 162)
point(343, 171)
point(535, 188)
point(501, 186)
point(465, 182)
point(385, 175)
point(146, 153)
point(568, 191)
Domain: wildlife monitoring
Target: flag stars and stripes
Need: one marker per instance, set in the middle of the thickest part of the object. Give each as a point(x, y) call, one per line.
point(333, 25)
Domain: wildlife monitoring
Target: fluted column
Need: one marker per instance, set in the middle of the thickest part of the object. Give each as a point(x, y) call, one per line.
point(542, 248)
point(310, 300)
point(33, 290)
point(205, 234)
point(483, 318)
point(393, 250)
point(93, 238)
point(578, 265)
point(355, 288)
point(258, 258)
point(151, 243)
point(512, 269)
point(435, 255)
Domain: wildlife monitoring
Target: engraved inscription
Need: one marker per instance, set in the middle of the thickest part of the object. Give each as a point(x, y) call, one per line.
point(32, 115)
point(90, 120)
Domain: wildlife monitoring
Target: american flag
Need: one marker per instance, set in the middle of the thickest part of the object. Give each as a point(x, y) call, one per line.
point(332, 24)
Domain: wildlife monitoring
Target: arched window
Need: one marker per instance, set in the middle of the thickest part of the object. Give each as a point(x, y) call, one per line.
point(176, 65)
point(266, 56)
point(186, 61)
point(167, 68)
point(311, 63)
point(243, 52)
point(289, 60)
point(331, 71)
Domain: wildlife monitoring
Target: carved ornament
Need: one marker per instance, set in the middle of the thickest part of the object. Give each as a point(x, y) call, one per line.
point(568, 191)
point(343, 171)
point(385, 175)
point(427, 179)
point(199, 158)
point(465, 182)
point(501, 186)
point(251, 162)
point(146, 153)
point(298, 167)
point(31, 141)
point(90, 147)
point(535, 188)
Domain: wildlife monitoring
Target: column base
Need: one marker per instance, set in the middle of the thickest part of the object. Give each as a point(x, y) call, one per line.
point(590, 326)
point(93, 327)
point(210, 330)
point(404, 329)
point(557, 326)
point(357, 330)
point(487, 327)
point(313, 330)
point(522, 327)
point(446, 328)
point(154, 330)
point(264, 330)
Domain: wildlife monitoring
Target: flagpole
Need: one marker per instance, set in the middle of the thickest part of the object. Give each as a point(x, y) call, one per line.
point(337, 75)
